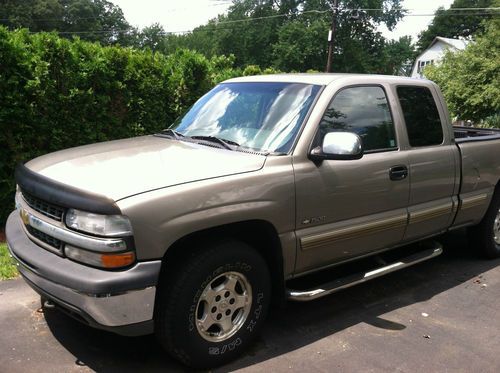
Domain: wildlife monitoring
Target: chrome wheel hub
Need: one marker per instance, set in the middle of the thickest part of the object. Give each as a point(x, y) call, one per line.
point(223, 306)
point(496, 228)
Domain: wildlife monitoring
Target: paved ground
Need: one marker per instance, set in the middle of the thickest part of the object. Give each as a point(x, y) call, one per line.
point(438, 316)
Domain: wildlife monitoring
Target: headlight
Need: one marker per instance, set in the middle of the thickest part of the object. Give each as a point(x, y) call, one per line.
point(101, 225)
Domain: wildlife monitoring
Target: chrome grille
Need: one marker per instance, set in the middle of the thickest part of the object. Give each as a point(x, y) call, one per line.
point(49, 240)
point(43, 207)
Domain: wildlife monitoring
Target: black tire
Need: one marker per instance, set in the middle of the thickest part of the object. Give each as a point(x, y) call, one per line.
point(177, 308)
point(482, 236)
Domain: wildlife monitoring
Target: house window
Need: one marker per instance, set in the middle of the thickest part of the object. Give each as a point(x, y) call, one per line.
point(422, 64)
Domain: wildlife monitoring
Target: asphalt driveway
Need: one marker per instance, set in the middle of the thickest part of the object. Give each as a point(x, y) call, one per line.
point(439, 316)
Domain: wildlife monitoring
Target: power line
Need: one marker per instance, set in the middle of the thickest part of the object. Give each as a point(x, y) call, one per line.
point(97, 17)
point(452, 15)
point(216, 24)
point(492, 9)
point(268, 17)
point(460, 9)
point(326, 11)
point(185, 31)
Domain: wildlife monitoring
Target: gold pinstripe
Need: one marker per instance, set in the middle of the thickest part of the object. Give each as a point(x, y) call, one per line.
point(474, 201)
point(365, 229)
point(430, 213)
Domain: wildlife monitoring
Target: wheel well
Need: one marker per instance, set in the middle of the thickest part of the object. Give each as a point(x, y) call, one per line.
point(259, 234)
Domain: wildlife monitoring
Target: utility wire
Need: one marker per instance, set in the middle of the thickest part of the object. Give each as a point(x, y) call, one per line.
point(488, 10)
point(216, 24)
point(173, 10)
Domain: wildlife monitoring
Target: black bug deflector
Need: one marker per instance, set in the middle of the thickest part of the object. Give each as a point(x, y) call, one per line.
point(63, 195)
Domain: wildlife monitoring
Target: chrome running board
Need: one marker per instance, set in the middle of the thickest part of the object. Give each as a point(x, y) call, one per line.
point(358, 278)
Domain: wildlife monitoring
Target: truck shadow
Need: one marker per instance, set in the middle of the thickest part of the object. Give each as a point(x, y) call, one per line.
point(296, 326)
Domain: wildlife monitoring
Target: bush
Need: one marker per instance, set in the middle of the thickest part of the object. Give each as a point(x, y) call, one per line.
point(470, 79)
point(56, 93)
point(252, 70)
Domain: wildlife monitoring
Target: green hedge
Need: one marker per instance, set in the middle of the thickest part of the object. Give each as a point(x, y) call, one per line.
point(57, 93)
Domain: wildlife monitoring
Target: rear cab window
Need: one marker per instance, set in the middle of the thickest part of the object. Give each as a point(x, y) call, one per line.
point(421, 116)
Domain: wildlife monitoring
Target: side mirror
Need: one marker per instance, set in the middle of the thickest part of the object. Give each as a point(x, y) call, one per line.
point(338, 145)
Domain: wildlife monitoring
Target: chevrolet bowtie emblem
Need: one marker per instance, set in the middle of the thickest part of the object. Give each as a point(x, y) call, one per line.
point(25, 216)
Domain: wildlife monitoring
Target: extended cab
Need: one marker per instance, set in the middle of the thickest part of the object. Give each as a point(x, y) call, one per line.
point(192, 232)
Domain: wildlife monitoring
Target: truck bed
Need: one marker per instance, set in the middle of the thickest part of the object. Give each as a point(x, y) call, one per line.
point(480, 164)
point(467, 134)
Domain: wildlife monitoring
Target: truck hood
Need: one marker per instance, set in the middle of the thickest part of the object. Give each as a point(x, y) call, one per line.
point(121, 168)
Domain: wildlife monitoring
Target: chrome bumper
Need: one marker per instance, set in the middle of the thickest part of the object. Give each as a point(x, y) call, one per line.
point(107, 309)
point(104, 299)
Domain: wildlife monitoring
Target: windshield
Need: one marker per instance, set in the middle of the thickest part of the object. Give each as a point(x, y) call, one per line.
point(264, 117)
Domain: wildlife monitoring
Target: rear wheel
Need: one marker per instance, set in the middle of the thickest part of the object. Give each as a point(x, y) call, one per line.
point(486, 235)
point(213, 306)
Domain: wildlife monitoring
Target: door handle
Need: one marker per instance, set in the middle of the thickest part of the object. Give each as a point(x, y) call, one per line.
point(398, 172)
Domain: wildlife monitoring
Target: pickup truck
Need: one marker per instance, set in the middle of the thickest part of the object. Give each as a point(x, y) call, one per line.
point(266, 181)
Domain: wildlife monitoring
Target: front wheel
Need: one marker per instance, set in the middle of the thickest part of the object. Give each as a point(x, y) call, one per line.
point(214, 304)
point(486, 235)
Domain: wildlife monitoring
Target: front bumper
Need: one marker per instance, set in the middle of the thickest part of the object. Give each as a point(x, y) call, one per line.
point(119, 301)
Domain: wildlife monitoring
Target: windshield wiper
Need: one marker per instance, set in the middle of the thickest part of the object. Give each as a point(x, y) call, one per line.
point(170, 133)
point(227, 144)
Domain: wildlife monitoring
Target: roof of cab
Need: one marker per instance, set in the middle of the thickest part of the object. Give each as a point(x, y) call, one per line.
point(318, 78)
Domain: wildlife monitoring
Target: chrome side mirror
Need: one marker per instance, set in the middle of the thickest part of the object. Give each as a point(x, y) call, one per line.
point(339, 145)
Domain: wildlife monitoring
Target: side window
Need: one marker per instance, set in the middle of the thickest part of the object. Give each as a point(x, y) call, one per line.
point(364, 111)
point(421, 116)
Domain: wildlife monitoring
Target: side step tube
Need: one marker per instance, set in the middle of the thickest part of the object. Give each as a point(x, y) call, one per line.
point(358, 278)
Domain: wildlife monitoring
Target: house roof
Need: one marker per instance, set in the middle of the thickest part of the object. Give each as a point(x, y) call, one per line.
point(455, 43)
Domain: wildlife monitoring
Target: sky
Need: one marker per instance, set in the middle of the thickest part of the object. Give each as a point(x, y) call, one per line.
point(184, 15)
point(413, 25)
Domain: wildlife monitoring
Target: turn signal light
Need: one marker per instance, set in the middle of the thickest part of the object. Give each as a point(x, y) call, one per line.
point(117, 260)
point(102, 260)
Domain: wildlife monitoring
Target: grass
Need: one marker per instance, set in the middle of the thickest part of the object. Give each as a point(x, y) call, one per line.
point(7, 267)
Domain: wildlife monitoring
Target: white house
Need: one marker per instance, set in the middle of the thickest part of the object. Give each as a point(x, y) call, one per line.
point(435, 52)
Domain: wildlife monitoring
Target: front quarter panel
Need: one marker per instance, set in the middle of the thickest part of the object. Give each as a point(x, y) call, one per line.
point(161, 217)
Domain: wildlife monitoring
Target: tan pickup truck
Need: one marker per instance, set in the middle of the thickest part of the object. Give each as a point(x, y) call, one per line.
point(193, 232)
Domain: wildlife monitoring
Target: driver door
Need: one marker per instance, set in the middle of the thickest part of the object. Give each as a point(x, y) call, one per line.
point(348, 208)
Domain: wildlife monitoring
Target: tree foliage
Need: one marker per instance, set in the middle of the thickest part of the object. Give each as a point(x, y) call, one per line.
point(151, 37)
point(399, 56)
point(292, 34)
point(470, 79)
point(94, 20)
point(301, 46)
point(450, 23)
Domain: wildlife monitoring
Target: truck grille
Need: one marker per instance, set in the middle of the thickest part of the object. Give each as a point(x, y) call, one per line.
point(43, 207)
point(49, 240)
